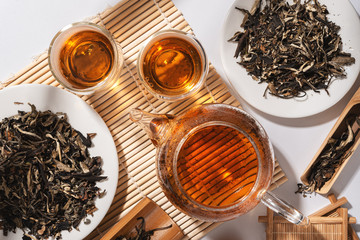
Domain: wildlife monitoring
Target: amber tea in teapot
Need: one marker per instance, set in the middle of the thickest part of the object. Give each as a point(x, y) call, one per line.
point(217, 165)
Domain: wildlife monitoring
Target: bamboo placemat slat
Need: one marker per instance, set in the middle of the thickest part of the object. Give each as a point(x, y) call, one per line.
point(131, 23)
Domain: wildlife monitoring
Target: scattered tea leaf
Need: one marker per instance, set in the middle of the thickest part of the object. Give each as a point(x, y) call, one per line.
point(142, 234)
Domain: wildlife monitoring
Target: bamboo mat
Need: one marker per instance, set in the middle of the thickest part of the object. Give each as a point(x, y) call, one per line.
point(132, 22)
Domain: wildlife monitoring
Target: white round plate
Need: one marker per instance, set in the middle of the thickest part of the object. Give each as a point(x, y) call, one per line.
point(84, 119)
point(343, 14)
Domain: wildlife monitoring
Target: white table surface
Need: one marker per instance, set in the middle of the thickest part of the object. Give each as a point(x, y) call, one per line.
point(356, 5)
point(27, 28)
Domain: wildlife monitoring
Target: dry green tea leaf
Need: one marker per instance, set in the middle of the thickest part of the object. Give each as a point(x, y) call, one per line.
point(47, 176)
point(292, 48)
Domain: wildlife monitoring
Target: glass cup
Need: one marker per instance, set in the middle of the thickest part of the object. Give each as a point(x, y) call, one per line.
point(172, 65)
point(84, 58)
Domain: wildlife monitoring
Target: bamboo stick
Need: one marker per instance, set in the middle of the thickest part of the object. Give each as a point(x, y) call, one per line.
point(344, 224)
point(332, 198)
point(278, 183)
point(313, 220)
point(28, 71)
point(270, 224)
point(330, 207)
point(196, 233)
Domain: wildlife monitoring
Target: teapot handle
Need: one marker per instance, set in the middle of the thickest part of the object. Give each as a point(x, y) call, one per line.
point(283, 208)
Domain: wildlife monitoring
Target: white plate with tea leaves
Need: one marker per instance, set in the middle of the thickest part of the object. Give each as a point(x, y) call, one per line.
point(340, 12)
point(83, 118)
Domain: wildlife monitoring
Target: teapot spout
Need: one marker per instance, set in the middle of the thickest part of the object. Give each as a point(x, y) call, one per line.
point(155, 125)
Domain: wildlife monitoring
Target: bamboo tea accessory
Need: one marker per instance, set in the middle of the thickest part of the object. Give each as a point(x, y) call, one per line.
point(329, 223)
point(352, 108)
point(214, 162)
point(154, 218)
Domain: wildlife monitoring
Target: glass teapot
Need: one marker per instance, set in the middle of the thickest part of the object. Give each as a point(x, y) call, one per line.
point(214, 162)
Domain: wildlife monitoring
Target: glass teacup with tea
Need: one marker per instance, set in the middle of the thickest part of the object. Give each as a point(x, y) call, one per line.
point(172, 65)
point(84, 58)
point(214, 162)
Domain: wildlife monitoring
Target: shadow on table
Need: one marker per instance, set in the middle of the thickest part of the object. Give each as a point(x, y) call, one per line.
point(287, 190)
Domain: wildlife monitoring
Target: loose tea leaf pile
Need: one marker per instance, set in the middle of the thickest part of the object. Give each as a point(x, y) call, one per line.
point(47, 177)
point(141, 233)
point(293, 48)
point(330, 159)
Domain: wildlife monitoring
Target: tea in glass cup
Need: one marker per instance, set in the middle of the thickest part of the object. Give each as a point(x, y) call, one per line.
point(172, 65)
point(84, 58)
